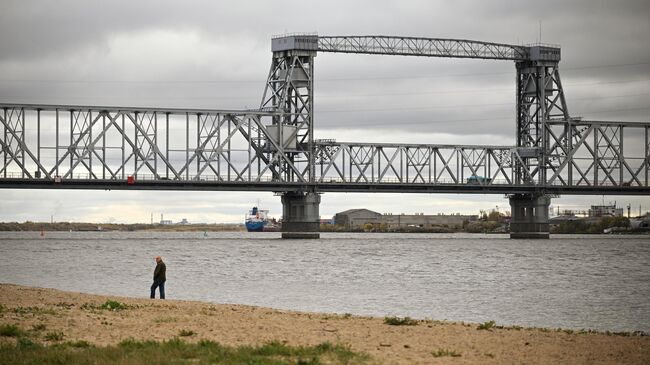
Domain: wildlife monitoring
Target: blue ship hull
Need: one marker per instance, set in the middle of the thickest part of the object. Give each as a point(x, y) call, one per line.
point(257, 226)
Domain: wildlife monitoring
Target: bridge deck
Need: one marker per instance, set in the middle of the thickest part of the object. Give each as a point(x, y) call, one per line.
point(323, 187)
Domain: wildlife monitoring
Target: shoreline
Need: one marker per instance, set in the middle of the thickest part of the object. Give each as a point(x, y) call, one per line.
point(85, 317)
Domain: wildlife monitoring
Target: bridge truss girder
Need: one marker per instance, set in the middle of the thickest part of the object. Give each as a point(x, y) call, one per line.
point(213, 149)
point(418, 46)
point(75, 142)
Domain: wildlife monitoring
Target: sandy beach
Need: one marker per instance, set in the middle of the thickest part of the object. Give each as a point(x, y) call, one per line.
point(81, 317)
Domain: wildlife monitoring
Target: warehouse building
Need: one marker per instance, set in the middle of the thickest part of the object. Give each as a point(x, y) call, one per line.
point(358, 218)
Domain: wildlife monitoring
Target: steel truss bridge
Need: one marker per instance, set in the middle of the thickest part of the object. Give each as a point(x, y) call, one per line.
point(272, 148)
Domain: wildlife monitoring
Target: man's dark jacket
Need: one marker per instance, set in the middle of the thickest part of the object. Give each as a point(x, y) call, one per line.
point(159, 272)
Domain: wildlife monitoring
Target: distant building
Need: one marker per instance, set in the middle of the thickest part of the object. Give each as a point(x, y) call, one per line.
point(425, 221)
point(605, 210)
point(355, 218)
point(165, 222)
point(184, 221)
point(358, 218)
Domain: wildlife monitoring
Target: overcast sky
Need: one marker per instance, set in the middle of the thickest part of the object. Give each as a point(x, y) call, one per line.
point(216, 54)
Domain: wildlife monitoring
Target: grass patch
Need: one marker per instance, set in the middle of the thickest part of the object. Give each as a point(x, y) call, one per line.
point(21, 311)
point(81, 344)
point(64, 305)
point(10, 330)
point(486, 325)
point(177, 351)
point(165, 320)
point(186, 333)
point(39, 327)
point(397, 321)
point(445, 353)
point(114, 305)
point(54, 336)
point(25, 343)
point(111, 305)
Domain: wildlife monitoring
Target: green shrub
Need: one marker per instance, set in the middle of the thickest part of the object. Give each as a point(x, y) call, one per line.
point(486, 325)
point(113, 305)
point(10, 330)
point(186, 333)
point(397, 321)
point(445, 352)
point(54, 336)
point(39, 327)
point(25, 343)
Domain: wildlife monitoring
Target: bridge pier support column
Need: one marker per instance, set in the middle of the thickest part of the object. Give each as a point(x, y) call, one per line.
point(300, 215)
point(529, 216)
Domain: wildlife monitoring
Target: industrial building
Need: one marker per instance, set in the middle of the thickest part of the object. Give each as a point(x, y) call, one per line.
point(605, 210)
point(358, 218)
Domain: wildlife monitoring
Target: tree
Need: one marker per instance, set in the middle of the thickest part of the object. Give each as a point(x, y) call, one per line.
point(494, 216)
point(368, 227)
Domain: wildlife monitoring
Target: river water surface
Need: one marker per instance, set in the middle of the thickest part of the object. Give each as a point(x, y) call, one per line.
point(597, 282)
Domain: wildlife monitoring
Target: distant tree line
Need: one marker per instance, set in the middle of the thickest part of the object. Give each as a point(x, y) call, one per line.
point(73, 226)
point(583, 226)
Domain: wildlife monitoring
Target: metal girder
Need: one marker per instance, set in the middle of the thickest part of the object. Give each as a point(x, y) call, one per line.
point(99, 143)
point(416, 46)
point(240, 149)
point(599, 153)
point(413, 164)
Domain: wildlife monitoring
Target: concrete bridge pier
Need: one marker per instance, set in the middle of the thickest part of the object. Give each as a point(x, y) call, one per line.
point(529, 216)
point(300, 215)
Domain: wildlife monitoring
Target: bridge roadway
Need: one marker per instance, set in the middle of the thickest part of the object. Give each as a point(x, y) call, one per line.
point(330, 186)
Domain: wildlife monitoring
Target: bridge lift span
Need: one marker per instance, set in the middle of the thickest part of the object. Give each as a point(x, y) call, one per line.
point(273, 148)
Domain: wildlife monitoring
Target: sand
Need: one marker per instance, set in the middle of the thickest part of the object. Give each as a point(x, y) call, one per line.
point(79, 317)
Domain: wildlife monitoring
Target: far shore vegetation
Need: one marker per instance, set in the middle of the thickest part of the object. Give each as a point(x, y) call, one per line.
point(75, 226)
point(492, 222)
point(495, 222)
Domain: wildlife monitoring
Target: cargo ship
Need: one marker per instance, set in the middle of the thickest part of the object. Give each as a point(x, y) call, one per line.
point(256, 220)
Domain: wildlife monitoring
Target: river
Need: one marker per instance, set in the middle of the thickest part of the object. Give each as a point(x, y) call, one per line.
point(593, 282)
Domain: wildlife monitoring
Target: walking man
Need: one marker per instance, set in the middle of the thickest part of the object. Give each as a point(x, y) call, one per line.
point(159, 278)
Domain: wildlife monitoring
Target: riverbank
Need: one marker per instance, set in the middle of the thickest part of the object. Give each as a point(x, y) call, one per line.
point(52, 316)
point(104, 227)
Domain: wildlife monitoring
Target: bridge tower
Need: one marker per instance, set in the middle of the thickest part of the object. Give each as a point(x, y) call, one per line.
point(289, 92)
point(540, 99)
